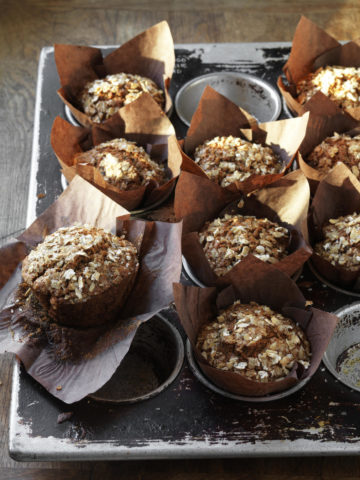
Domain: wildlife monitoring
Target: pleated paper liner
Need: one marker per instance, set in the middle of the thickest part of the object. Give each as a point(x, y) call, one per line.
point(198, 200)
point(72, 363)
point(143, 122)
point(312, 48)
point(338, 194)
point(267, 286)
point(218, 116)
point(325, 119)
point(150, 54)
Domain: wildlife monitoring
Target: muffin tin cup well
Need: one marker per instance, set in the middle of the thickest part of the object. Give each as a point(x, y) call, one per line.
point(71, 118)
point(189, 272)
point(153, 362)
point(138, 211)
point(254, 94)
point(342, 356)
point(199, 374)
point(353, 293)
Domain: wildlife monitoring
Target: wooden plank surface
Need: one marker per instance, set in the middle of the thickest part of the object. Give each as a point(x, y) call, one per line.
point(28, 25)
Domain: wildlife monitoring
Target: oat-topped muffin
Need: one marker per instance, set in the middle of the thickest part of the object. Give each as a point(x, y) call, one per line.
point(123, 164)
point(103, 97)
point(341, 243)
point(229, 239)
point(231, 159)
point(340, 84)
point(338, 148)
point(81, 274)
point(255, 341)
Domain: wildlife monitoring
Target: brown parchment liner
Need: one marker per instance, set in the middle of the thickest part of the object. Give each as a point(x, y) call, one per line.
point(150, 54)
point(286, 201)
point(218, 116)
point(143, 122)
point(312, 48)
point(264, 284)
point(325, 119)
point(159, 246)
point(338, 194)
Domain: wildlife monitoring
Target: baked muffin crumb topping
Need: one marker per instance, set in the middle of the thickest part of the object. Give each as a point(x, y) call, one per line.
point(231, 159)
point(123, 164)
point(79, 261)
point(338, 148)
point(341, 243)
point(103, 97)
point(229, 239)
point(255, 341)
point(340, 84)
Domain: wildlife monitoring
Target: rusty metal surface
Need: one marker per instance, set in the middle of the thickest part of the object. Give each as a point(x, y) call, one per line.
point(187, 419)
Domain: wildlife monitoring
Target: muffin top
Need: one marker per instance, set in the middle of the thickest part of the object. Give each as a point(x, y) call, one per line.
point(103, 97)
point(341, 243)
point(229, 239)
point(123, 164)
point(338, 148)
point(255, 341)
point(340, 84)
point(231, 159)
point(78, 262)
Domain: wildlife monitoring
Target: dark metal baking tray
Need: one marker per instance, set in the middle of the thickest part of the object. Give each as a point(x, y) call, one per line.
point(187, 420)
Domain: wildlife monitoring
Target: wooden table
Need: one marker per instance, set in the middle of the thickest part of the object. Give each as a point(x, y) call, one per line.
point(25, 27)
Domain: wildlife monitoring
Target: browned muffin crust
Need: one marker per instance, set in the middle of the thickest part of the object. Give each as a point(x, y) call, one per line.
point(341, 243)
point(231, 159)
point(103, 97)
point(255, 341)
point(81, 274)
point(338, 148)
point(227, 240)
point(123, 164)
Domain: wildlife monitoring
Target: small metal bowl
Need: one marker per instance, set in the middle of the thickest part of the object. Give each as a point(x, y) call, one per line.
point(254, 94)
point(342, 356)
point(153, 362)
point(329, 284)
point(198, 373)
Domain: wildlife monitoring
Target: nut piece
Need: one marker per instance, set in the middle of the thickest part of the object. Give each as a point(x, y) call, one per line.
point(123, 164)
point(340, 84)
point(338, 148)
point(102, 98)
point(341, 243)
point(228, 240)
point(231, 159)
point(254, 341)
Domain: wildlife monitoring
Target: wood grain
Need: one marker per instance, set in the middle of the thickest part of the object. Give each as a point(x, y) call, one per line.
point(28, 25)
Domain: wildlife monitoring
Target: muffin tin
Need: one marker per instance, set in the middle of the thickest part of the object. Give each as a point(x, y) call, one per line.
point(186, 419)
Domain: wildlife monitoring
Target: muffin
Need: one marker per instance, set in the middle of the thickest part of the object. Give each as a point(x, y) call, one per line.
point(230, 159)
point(123, 164)
point(81, 274)
point(255, 341)
point(338, 148)
point(341, 242)
point(102, 98)
point(227, 240)
point(340, 84)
